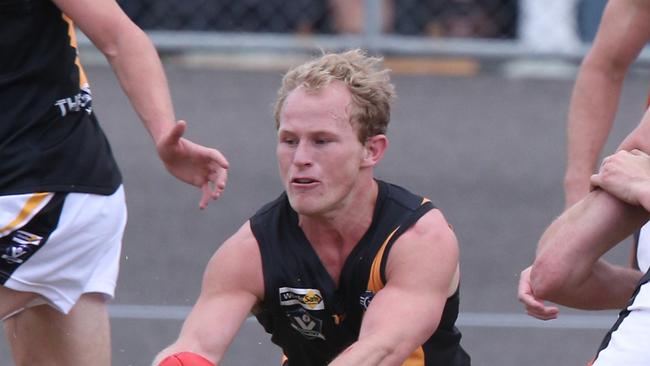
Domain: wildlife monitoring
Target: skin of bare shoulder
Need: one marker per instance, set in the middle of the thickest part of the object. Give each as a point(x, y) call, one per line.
point(431, 239)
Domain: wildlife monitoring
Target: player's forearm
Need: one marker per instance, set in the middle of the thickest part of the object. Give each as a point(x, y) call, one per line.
point(141, 75)
point(369, 353)
point(575, 241)
point(607, 287)
point(592, 110)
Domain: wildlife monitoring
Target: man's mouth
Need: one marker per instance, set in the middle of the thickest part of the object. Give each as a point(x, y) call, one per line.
point(303, 180)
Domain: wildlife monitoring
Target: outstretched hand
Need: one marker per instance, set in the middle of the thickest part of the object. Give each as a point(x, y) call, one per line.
point(194, 164)
point(534, 307)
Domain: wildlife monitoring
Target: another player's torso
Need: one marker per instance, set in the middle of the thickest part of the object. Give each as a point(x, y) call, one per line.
point(309, 316)
point(49, 138)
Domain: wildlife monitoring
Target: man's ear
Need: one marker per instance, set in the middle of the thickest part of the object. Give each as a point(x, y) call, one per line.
point(374, 149)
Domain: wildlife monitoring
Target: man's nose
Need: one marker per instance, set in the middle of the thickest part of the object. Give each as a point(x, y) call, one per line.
point(302, 154)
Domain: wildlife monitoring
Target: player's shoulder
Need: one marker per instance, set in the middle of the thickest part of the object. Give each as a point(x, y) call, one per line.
point(433, 224)
point(237, 263)
point(242, 240)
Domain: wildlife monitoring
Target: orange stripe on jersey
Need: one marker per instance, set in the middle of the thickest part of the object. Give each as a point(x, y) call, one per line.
point(374, 282)
point(28, 210)
point(416, 358)
point(83, 80)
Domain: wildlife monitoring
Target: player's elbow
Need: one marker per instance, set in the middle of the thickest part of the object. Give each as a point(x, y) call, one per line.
point(546, 281)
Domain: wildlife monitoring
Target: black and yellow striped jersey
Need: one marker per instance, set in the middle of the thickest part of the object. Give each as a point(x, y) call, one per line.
point(308, 315)
point(50, 139)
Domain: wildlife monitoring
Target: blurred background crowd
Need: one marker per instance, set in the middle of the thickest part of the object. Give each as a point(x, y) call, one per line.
point(553, 25)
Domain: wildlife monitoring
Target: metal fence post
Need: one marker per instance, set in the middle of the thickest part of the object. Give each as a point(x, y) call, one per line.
point(373, 22)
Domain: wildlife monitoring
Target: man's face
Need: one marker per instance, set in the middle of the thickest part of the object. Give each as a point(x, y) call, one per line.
point(319, 153)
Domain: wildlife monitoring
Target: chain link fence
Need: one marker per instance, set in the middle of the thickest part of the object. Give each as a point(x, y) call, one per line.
point(435, 18)
point(499, 28)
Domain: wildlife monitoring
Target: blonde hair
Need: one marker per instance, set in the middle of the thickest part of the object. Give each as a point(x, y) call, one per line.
point(368, 83)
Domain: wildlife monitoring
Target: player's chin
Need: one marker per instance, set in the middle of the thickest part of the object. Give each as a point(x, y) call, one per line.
point(306, 206)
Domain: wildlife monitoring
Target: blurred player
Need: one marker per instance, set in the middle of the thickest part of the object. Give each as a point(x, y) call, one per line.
point(62, 209)
point(568, 268)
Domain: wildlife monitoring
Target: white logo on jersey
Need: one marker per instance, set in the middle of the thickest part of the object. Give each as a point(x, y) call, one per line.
point(81, 100)
point(24, 237)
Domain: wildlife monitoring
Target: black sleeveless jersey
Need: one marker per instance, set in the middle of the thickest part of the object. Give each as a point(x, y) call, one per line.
point(307, 315)
point(50, 139)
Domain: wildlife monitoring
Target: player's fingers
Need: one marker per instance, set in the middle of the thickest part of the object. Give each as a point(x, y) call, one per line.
point(220, 159)
point(596, 180)
point(212, 189)
point(207, 195)
point(219, 177)
point(543, 315)
point(536, 308)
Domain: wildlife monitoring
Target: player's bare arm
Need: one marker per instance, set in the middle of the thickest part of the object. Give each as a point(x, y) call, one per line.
point(568, 269)
point(140, 73)
point(232, 286)
point(624, 30)
point(422, 269)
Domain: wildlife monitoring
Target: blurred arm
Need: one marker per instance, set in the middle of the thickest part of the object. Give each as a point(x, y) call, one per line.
point(140, 73)
point(623, 31)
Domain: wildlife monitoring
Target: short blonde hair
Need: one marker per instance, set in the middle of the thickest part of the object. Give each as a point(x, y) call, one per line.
point(366, 79)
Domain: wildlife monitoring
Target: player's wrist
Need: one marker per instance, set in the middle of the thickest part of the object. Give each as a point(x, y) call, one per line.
point(642, 195)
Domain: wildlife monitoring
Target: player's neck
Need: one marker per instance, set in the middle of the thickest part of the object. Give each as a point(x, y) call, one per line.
point(347, 223)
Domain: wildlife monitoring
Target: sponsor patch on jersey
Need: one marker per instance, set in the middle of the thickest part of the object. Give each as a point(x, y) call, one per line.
point(81, 101)
point(310, 299)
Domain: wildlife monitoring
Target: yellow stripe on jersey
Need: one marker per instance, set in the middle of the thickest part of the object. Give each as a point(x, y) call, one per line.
point(375, 282)
point(83, 80)
point(416, 358)
point(29, 209)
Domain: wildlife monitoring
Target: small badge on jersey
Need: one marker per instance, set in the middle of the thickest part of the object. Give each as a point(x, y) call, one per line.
point(21, 247)
point(365, 299)
point(309, 326)
point(310, 299)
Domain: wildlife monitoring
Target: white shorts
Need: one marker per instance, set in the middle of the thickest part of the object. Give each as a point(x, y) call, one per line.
point(643, 248)
point(61, 245)
point(627, 342)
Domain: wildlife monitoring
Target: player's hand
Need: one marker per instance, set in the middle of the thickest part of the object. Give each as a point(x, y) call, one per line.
point(193, 163)
point(534, 307)
point(624, 175)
